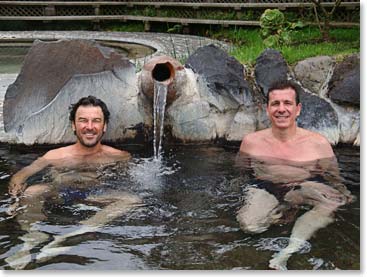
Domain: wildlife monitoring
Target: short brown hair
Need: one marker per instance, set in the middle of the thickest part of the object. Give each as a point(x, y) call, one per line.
point(284, 84)
point(89, 101)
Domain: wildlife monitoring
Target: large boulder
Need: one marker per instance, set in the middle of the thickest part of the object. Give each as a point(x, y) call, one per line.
point(223, 74)
point(47, 67)
point(57, 74)
point(51, 124)
point(214, 91)
point(270, 67)
point(313, 72)
point(344, 85)
point(319, 116)
point(189, 116)
point(192, 122)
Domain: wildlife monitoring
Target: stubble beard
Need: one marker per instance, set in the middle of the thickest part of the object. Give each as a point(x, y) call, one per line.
point(91, 144)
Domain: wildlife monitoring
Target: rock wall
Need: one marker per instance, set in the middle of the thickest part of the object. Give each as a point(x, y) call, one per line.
point(217, 97)
point(226, 104)
point(55, 75)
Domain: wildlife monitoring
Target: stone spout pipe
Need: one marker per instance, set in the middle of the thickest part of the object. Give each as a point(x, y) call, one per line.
point(163, 69)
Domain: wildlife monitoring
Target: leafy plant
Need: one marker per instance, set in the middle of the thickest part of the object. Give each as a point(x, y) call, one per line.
point(176, 29)
point(275, 29)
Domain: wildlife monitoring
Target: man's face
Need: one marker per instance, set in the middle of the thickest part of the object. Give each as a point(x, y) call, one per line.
point(282, 108)
point(89, 125)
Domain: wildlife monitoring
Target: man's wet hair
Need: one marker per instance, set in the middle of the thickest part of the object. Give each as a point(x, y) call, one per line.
point(284, 84)
point(89, 101)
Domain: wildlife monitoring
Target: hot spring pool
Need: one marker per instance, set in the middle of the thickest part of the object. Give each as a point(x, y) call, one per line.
point(13, 52)
point(188, 221)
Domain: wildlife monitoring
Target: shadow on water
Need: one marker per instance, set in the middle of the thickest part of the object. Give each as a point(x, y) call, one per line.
point(188, 220)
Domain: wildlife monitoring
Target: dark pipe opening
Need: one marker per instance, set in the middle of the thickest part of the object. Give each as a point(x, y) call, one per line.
point(162, 72)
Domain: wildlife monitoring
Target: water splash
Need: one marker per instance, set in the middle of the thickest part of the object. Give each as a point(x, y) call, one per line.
point(278, 244)
point(159, 106)
point(149, 173)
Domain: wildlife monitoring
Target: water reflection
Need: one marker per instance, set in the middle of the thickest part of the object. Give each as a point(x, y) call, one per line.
point(187, 219)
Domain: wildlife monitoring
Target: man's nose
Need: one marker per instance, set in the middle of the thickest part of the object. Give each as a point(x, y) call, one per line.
point(90, 125)
point(281, 107)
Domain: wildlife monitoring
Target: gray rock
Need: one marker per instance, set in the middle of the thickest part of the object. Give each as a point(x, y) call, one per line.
point(270, 67)
point(224, 75)
point(313, 72)
point(349, 124)
point(213, 99)
point(344, 85)
point(47, 67)
point(45, 115)
point(319, 116)
point(243, 123)
point(51, 124)
point(192, 122)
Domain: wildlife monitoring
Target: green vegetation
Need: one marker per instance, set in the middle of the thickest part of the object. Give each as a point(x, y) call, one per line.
point(275, 29)
point(247, 43)
point(306, 42)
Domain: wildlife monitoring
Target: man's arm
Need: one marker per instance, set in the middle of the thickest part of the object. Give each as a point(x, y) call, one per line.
point(245, 145)
point(325, 148)
point(18, 184)
point(329, 169)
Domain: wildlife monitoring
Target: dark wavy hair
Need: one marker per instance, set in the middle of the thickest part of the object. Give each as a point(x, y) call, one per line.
point(284, 84)
point(89, 101)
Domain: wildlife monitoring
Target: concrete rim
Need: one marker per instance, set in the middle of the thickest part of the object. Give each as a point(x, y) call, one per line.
point(177, 46)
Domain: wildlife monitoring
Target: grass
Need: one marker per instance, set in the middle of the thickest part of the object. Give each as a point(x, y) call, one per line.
point(247, 44)
point(306, 42)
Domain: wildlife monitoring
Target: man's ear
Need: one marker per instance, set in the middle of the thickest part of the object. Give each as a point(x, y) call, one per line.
point(299, 108)
point(73, 126)
point(105, 128)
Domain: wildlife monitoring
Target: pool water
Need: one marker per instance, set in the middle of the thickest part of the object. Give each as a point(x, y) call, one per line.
point(12, 53)
point(11, 57)
point(188, 221)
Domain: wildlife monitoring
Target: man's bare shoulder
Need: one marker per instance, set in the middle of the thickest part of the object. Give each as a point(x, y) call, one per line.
point(313, 137)
point(114, 151)
point(255, 136)
point(253, 140)
point(319, 143)
point(59, 153)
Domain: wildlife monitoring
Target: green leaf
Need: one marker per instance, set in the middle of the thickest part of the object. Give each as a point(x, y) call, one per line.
point(271, 41)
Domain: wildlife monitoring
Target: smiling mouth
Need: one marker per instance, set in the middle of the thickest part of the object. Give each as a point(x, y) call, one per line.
point(282, 117)
point(90, 135)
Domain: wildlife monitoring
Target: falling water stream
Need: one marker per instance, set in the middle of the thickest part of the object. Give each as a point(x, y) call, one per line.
point(159, 105)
